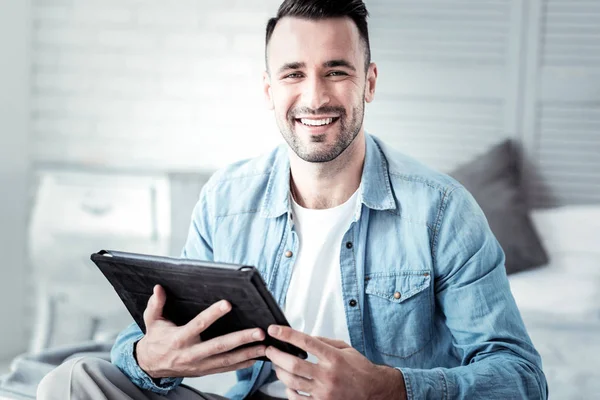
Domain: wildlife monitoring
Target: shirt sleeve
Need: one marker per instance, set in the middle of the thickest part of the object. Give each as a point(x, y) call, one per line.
point(123, 356)
point(199, 243)
point(198, 246)
point(499, 360)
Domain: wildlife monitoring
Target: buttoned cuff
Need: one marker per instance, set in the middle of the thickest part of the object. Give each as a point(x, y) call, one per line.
point(129, 366)
point(425, 383)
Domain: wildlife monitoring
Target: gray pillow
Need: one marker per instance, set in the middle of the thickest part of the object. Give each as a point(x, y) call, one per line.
point(494, 180)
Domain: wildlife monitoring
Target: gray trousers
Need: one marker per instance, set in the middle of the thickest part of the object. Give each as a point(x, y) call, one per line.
point(89, 378)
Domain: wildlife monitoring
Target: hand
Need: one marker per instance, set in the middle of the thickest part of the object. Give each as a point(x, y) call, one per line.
point(341, 371)
point(168, 350)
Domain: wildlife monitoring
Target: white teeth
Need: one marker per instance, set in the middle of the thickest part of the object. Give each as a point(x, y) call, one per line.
point(316, 122)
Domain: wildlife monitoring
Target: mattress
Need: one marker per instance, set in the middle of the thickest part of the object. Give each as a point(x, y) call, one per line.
point(560, 306)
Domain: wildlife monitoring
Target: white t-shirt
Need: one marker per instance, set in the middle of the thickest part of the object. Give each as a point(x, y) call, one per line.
point(314, 303)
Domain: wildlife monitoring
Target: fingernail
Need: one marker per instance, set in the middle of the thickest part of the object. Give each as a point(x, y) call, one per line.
point(260, 352)
point(274, 330)
point(257, 335)
point(224, 306)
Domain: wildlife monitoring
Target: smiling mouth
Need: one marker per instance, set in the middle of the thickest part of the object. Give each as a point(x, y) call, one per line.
point(317, 122)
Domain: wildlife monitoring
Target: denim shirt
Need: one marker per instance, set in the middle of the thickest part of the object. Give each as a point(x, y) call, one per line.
point(423, 277)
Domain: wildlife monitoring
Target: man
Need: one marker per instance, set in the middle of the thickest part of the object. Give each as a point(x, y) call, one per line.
point(387, 270)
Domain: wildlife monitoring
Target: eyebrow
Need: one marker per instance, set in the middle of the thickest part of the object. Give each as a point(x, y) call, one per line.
point(339, 63)
point(292, 65)
point(326, 64)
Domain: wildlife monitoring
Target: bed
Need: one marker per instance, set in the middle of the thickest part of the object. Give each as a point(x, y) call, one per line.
point(560, 302)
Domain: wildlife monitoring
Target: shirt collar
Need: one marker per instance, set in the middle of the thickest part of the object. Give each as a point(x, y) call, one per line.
point(276, 201)
point(375, 190)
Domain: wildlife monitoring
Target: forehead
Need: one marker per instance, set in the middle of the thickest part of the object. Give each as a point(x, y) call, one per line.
point(314, 41)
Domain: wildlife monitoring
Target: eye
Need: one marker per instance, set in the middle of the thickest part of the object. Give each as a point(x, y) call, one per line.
point(337, 73)
point(294, 75)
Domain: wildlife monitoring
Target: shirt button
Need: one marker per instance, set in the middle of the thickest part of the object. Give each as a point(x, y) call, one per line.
point(397, 295)
point(352, 303)
point(348, 245)
point(288, 254)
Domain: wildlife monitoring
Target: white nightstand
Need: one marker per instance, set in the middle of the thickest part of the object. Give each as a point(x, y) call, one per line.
point(75, 214)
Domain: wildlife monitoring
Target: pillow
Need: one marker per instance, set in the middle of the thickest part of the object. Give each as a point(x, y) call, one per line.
point(493, 179)
point(569, 229)
point(568, 288)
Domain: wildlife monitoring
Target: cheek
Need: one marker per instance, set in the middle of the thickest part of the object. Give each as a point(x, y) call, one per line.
point(283, 101)
point(350, 95)
point(281, 111)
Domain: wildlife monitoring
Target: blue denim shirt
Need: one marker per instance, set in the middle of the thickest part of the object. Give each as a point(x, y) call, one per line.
point(454, 331)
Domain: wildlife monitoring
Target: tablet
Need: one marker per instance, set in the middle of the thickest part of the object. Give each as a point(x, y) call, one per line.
point(191, 287)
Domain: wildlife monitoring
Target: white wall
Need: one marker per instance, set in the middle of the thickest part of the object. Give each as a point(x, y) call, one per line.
point(178, 85)
point(14, 170)
point(150, 84)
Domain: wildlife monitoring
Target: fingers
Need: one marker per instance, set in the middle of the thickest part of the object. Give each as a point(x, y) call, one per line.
point(293, 395)
point(338, 344)
point(290, 363)
point(321, 350)
point(226, 343)
point(242, 365)
point(206, 318)
point(230, 360)
point(294, 382)
point(154, 309)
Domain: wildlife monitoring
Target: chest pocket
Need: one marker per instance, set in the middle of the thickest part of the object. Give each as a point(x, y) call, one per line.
point(400, 305)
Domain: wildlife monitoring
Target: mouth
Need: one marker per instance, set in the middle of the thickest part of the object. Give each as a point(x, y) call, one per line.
point(314, 123)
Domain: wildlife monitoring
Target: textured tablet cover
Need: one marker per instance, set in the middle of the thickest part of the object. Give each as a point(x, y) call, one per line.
point(191, 287)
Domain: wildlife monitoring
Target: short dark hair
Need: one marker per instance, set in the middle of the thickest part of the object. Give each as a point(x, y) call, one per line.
point(322, 9)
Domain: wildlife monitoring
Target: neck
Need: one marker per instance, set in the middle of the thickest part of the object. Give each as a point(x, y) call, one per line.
point(327, 185)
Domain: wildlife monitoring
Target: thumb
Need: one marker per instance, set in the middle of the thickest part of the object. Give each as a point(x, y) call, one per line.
point(338, 344)
point(154, 309)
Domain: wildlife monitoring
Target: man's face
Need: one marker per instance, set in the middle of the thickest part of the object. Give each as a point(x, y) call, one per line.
point(317, 85)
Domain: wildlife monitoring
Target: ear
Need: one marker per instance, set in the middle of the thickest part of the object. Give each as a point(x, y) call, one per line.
point(267, 91)
point(371, 83)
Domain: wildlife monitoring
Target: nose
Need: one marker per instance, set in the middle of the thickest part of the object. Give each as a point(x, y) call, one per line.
point(315, 93)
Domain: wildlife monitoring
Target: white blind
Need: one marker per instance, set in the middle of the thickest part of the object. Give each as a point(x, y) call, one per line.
point(563, 103)
point(447, 88)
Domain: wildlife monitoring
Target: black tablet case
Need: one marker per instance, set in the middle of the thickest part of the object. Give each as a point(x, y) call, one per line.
point(191, 287)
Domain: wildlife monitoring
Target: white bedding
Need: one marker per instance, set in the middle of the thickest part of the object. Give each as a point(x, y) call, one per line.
point(561, 309)
point(569, 286)
point(560, 302)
